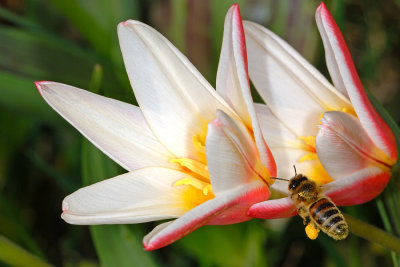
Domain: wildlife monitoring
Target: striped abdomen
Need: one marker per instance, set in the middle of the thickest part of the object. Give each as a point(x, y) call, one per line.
point(328, 218)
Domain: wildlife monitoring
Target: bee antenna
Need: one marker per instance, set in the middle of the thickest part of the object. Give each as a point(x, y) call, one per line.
point(295, 171)
point(277, 178)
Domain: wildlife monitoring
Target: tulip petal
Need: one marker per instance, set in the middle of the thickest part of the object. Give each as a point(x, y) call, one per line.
point(358, 187)
point(231, 154)
point(286, 148)
point(116, 128)
point(275, 131)
point(229, 207)
point(233, 81)
point(292, 88)
point(143, 195)
point(175, 99)
point(342, 140)
point(344, 75)
point(232, 73)
point(273, 209)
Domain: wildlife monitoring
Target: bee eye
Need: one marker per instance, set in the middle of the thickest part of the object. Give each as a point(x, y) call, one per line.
point(293, 184)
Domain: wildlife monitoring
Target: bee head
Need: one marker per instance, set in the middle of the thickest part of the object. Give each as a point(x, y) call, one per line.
point(296, 181)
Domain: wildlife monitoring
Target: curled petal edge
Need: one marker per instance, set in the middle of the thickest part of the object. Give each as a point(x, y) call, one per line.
point(230, 207)
point(345, 77)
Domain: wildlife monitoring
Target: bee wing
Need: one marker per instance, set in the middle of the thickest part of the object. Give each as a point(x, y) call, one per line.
point(326, 188)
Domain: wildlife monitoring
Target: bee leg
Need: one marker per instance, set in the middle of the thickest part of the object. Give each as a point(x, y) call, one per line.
point(303, 214)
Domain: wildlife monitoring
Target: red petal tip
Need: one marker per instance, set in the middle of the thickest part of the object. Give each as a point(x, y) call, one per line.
point(126, 22)
point(145, 246)
point(321, 6)
point(38, 85)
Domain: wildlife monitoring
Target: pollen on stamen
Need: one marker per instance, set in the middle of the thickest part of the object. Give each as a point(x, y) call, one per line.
point(207, 189)
point(192, 165)
point(309, 142)
point(308, 156)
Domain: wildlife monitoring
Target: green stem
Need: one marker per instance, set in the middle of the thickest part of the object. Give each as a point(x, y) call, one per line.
point(386, 224)
point(373, 234)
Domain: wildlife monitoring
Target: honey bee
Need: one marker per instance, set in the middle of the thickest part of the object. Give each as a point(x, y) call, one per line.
point(317, 211)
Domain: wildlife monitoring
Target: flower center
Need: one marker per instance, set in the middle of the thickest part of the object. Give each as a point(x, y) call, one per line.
point(197, 187)
point(314, 169)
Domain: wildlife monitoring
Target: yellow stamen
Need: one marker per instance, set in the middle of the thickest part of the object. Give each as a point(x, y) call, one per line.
point(195, 191)
point(193, 197)
point(309, 143)
point(308, 156)
point(198, 144)
point(190, 181)
point(207, 189)
point(349, 111)
point(193, 165)
point(317, 173)
point(196, 183)
point(311, 231)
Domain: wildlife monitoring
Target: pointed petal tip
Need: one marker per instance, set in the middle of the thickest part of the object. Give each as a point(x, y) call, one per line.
point(323, 12)
point(146, 246)
point(321, 7)
point(127, 23)
point(40, 85)
point(123, 23)
point(235, 9)
point(150, 246)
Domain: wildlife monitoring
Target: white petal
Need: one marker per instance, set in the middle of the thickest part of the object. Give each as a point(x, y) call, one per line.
point(229, 207)
point(232, 68)
point(233, 81)
point(343, 146)
point(231, 154)
point(294, 90)
point(345, 77)
point(275, 131)
point(116, 128)
point(175, 99)
point(143, 195)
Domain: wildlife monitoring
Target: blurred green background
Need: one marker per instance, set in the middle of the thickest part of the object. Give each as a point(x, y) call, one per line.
point(43, 158)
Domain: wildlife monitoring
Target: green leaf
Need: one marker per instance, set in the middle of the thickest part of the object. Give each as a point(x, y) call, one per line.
point(36, 56)
point(19, 94)
point(116, 245)
point(227, 245)
point(97, 20)
point(14, 255)
point(64, 183)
